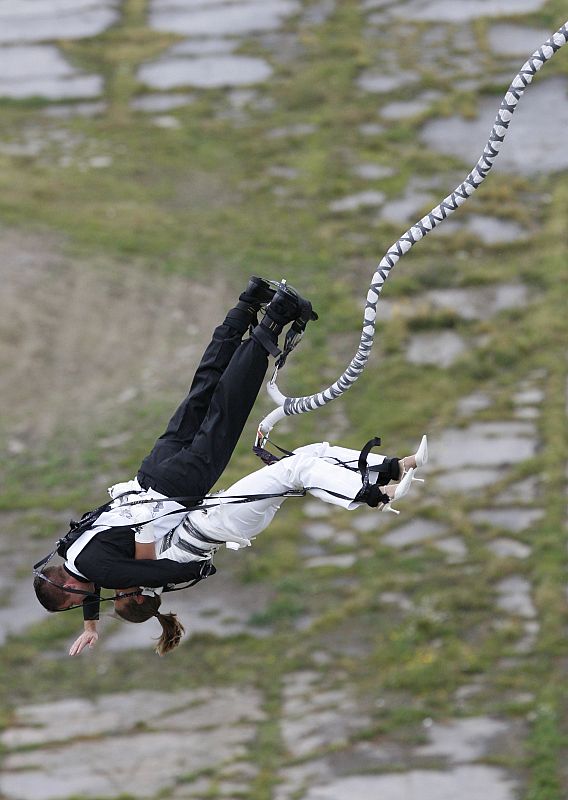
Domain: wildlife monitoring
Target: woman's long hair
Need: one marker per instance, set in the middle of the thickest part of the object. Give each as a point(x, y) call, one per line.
point(172, 629)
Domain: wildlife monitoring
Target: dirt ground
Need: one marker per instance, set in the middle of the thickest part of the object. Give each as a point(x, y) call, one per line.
point(80, 339)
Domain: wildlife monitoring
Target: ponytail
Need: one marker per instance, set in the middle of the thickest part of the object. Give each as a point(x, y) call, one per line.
point(172, 629)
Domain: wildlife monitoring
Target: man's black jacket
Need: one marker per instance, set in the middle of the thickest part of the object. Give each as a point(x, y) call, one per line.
point(108, 560)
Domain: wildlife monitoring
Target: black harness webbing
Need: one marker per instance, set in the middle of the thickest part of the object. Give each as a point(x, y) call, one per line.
point(77, 529)
point(364, 468)
point(89, 518)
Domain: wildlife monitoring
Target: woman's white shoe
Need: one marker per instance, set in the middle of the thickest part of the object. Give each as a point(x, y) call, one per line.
point(421, 455)
point(402, 488)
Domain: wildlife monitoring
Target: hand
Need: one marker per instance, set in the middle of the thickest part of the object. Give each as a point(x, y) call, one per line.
point(86, 639)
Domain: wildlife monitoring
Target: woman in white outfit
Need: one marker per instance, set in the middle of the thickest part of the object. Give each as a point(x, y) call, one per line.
point(327, 472)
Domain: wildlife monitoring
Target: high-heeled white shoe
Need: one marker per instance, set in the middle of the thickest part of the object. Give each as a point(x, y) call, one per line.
point(420, 456)
point(402, 488)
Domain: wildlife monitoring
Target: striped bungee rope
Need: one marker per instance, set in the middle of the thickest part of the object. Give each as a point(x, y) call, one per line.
point(288, 406)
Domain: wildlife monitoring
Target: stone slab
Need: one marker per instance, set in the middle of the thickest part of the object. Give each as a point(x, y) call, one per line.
point(45, 20)
point(133, 761)
point(227, 19)
point(442, 348)
point(530, 148)
point(465, 783)
point(414, 532)
point(483, 444)
point(448, 11)
point(205, 73)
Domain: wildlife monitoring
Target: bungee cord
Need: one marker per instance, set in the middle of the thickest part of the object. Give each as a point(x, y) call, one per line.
point(288, 406)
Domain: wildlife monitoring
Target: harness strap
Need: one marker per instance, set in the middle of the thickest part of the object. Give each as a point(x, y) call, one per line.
point(207, 502)
point(207, 569)
point(268, 457)
point(362, 463)
point(45, 559)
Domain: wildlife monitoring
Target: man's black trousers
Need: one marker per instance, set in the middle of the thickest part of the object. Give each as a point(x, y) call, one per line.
point(191, 455)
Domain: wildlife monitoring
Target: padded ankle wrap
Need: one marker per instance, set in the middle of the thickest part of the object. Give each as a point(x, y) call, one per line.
point(240, 317)
point(267, 338)
point(388, 471)
point(372, 495)
point(247, 300)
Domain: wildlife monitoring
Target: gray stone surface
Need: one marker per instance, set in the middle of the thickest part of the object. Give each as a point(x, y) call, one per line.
point(205, 59)
point(403, 109)
point(514, 597)
point(37, 724)
point(526, 412)
point(462, 740)
point(454, 547)
point(222, 19)
point(181, 733)
point(205, 73)
point(373, 172)
point(397, 599)
point(442, 349)
point(371, 5)
point(22, 608)
point(512, 519)
point(41, 70)
point(509, 548)
point(414, 532)
point(70, 110)
point(354, 202)
point(524, 491)
point(367, 521)
point(161, 102)
point(383, 83)
point(314, 509)
point(466, 480)
point(483, 444)
point(516, 40)
point(319, 531)
point(44, 20)
point(371, 129)
point(529, 148)
point(465, 10)
point(527, 642)
point(465, 783)
point(287, 173)
point(204, 47)
point(491, 230)
point(319, 12)
point(408, 207)
point(315, 718)
point(480, 303)
point(529, 396)
point(299, 129)
point(477, 401)
point(167, 122)
point(343, 561)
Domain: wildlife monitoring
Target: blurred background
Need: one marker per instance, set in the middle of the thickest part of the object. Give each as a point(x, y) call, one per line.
point(153, 155)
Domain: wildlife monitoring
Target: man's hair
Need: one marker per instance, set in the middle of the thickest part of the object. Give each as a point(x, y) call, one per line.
point(51, 597)
point(172, 629)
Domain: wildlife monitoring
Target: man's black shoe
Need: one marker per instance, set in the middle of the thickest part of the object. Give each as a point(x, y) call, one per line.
point(287, 306)
point(258, 292)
